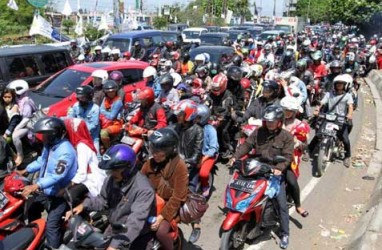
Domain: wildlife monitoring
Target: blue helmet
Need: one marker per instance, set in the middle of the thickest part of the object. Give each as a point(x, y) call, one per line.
point(117, 157)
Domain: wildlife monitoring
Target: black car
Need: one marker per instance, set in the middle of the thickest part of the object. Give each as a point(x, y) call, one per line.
point(218, 54)
point(173, 36)
point(214, 38)
point(233, 34)
point(32, 63)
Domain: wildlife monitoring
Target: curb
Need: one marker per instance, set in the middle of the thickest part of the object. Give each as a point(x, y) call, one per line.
point(369, 227)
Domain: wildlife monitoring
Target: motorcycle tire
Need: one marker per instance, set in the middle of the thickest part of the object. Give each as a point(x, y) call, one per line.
point(325, 155)
point(231, 241)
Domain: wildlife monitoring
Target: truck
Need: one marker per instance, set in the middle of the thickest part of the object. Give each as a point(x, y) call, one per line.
point(289, 24)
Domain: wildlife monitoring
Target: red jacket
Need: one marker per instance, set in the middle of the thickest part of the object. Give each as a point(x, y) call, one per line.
point(152, 118)
point(379, 61)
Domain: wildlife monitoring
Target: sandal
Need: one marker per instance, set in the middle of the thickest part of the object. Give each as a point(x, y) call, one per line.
point(303, 214)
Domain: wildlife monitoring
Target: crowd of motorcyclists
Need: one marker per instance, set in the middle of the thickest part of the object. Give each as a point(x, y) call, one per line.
point(195, 113)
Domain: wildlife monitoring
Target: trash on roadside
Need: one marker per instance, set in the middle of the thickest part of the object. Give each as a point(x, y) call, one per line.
point(340, 234)
point(324, 232)
point(368, 178)
point(348, 189)
point(358, 164)
point(356, 188)
point(358, 207)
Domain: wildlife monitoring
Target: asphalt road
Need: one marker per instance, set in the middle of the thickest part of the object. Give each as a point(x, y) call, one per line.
point(335, 201)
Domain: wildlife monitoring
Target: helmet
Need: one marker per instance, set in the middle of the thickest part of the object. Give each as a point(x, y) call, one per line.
point(127, 54)
point(73, 41)
point(197, 83)
point(290, 103)
point(97, 48)
point(147, 94)
point(177, 79)
point(306, 43)
point(237, 60)
point(207, 56)
point(166, 79)
point(20, 86)
point(86, 91)
point(219, 84)
point(345, 78)
point(116, 76)
point(234, 73)
point(164, 139)
point(188, 108)
point(202, 71)
point(350, 56)
point(271, 85)
point(214, 69)
point(290, 47)
point(81, 57)
point(149, 71)
point(53, 127)
point(109, 86)
point(317, 55)
point(169, 44)
point(175, 55)
point(106, 50)
point(267, 47)
point(200, 57)
point(119, 156)
point(100, 73)
point(168, 63)
point(335, 64)
point(115, 52)
point(273, 113)
point(301, 131)
point(137, 43)
point(186, 56)
point(86, 47)
point(204, 113)
point(245, 51)
point(14, 183)
point(257, 70)
point(301, 64)
point(245, 83)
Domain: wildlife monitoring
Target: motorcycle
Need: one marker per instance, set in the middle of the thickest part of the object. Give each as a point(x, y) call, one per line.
point(330, 146)
point(249, 209)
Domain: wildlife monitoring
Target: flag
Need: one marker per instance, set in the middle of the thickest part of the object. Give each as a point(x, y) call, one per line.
point(79, 27)
point(13, 5)
point(67, 9)
point(42, 27)
point(103, 23)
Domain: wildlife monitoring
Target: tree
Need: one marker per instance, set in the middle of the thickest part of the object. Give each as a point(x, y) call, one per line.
point(12, 21)
point(92, 33)
point(67, 24)
point(160, 22)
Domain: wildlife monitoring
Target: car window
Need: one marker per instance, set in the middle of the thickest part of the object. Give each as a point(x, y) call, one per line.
point(63, 84)
point(170, 37)
point(131, 76)
point(217, 40)
point(54, 62)
point(20, 67)
point(122, 44)
point(157, 39)
point(191, 34)
point(147, 42)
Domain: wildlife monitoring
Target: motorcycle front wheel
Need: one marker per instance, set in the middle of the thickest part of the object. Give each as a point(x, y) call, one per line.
point(234, 239)
point(324, 156)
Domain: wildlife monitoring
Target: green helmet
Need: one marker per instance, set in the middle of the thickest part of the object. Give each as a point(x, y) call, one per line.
point(244, 50)
point(317, 55)
point(301, 64)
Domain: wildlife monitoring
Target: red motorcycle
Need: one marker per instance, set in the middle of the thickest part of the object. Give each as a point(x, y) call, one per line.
point(248, 207)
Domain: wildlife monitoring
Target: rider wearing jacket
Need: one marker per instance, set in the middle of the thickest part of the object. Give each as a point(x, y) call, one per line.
point(150, 75)
point(234, 75)
point(57, 166)
point(128, 197)
point(270, 140)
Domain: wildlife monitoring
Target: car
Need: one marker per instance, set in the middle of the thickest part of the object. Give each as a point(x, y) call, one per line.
point(191, 35)
point(173, 36)
point(57, 94)
point(32, 63)
point(179, 27)
point(212, 28)
point(214, 38)
point(233, 34)
point(264, 36)
point(218, 54)
point(255, 31)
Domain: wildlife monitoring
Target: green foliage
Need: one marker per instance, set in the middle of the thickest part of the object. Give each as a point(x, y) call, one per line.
point(12, 21)
point(160, 22)
point(67, 24)
point(92, 33)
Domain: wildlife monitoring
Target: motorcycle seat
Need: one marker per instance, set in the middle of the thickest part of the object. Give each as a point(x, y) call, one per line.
point(18, 240)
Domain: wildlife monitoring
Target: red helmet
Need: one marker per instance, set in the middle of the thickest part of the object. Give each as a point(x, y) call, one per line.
point(116, 75)
point(219, 84)
point(169, 44)
point(146, 94)
point(197, 83)
point(14, 183)
point(301, 131)
point(373, 42)
point(188, 107)
point(245, 83)
point(127, 55)
point(175, 55)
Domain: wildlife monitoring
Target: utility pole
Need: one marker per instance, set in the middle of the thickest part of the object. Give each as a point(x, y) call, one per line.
point(117, 18)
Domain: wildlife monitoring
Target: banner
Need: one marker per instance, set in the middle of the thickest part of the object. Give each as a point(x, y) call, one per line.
point(79, 27)
point(13, 5)
point(229, 16)
point(103, 23)
point(67, 9)
point(42, 27)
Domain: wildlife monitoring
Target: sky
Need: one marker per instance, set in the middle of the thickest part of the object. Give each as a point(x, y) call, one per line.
point(151, 5)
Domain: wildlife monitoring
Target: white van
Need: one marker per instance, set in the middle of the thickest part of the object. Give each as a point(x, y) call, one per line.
point(191, 35)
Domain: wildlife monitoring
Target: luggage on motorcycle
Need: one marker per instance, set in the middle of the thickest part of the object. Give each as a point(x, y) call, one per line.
point(194, 208)
point(270, 217)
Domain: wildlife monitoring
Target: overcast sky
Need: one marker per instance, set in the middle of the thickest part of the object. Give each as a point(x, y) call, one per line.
point(151, 5)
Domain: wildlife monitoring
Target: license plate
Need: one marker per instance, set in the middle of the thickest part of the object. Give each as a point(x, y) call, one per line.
point(329, 132)
point(3, 200)
point(128, 140)
point(242, 185)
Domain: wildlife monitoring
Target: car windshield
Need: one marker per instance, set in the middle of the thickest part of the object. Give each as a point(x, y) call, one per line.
point(122, 44)
point(285, 28)
point(264, 36)
point(191, 34)
point(63, 84)
point(217, 40)
point(233, 36)
point(169, 37)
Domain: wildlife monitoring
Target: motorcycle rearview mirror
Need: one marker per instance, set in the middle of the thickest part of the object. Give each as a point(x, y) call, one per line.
point(118, 228)
point(279, 159)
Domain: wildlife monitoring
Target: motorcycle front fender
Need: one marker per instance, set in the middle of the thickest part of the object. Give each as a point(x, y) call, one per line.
point(232, 219)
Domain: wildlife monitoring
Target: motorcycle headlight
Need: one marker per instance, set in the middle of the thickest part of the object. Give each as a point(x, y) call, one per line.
point(330, 117)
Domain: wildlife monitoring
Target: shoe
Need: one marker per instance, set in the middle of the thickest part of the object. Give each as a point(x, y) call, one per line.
point(347, 162)
point(303, 214)
point(284, 242)
point(195, 234)
point(206, 191)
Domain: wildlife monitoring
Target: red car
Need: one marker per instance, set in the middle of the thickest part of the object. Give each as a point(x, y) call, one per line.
point(57, 93)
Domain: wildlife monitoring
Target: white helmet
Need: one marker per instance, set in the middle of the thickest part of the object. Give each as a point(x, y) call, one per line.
point(290, 103)
point(290, 47)
point(101, 73)
point(294, 80)
point(346, 78)
point(306, 42)
point(115, 52)
point(20, 86)
point(177, 79)
point(97, 48)
point(200, 57)
point(257, 70)
point(149, 71)
point(81, 57)
point(106, 50)
point(168, 63)
point(207, 56)
point(350, 56)
point(372, 59)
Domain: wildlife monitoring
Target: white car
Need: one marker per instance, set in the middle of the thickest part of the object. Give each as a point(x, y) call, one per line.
point(191, 35)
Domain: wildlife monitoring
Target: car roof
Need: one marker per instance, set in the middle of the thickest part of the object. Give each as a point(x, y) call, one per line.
point(135, 33)
point(195, 29)
point(211, 48)
point(28, 49)
point(90, 67)
point(221, 34)
point(273, 32)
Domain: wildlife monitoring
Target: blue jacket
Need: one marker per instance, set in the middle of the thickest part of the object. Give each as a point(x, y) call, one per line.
point(210, 142)
point(115, 110)
point(57, 166)
point(90, 115)
point(302, 87)
point(154, 84)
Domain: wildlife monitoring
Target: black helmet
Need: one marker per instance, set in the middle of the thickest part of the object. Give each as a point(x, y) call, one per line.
point(117, 157)
point(86, 47)
point(86, 91)
point(166, 79)
point(271, 85)
point(186, 56)
point(164, 139)
point(202, 71)
point(110, 85)
point(52, 127)
point(273, 113)
point(234, 73)
point(215, 69)
point(237, 60)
